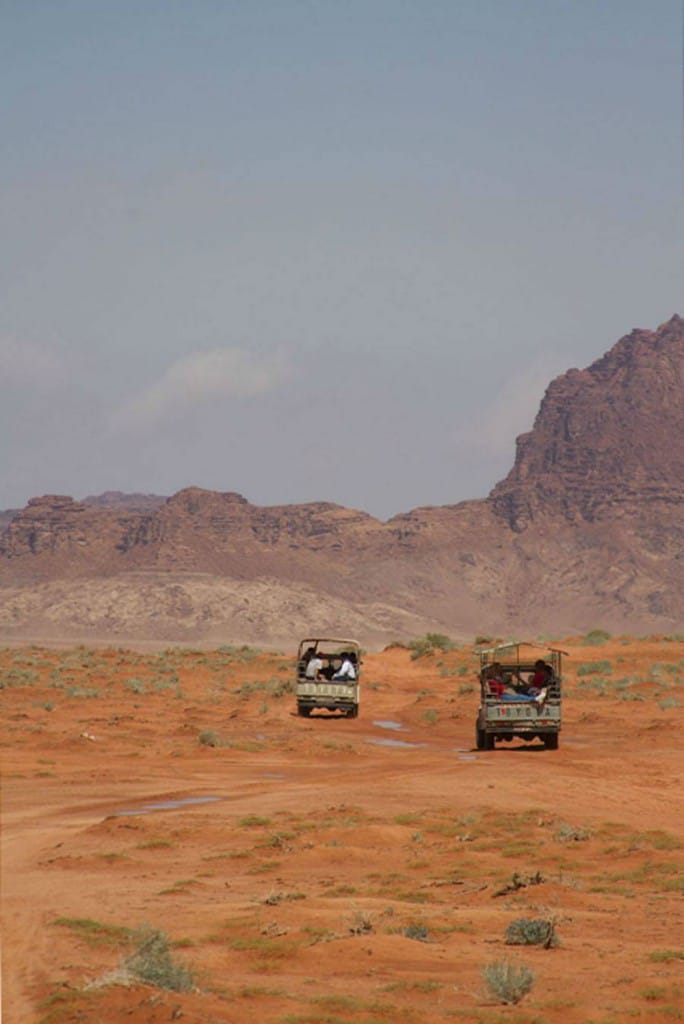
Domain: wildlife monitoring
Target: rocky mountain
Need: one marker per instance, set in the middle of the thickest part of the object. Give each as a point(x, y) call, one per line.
point(586, 530)
point(126, 502)
point(6, 517)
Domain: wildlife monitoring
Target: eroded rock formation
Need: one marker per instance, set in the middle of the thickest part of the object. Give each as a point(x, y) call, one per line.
point(586, 530)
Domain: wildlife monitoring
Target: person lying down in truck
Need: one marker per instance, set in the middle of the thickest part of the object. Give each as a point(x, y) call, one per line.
point(500, 685)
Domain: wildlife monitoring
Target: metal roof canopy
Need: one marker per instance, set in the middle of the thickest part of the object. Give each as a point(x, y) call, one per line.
point(517, 644)
point(328, 640)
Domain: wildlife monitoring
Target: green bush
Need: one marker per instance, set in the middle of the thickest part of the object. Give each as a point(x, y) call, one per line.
point(507, 982)
point(152, 963)
point(594, 668)
point(596, 637)
point(571, 834)
point(531, 932)
point(428, 644)
point(209, 738)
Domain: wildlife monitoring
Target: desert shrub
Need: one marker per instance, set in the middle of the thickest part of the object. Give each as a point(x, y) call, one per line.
point(507, 982)
point(275, 897)
point(253, 821)
point(95, 933)
point(273, 687)
point(418, 932)
point(423, 695)
point(21, 677)
point(531, 932)
point(663, 956)
point(280, 687)
point(242, 653)
point(152, 963)
point(361, 922)
point(209, 738)
point(596, 637)
point(135, 685)
point(593, 668)
point(421, 649)
point(571, 834)
point(427, 645)
point(598, 684)
point(668, 702)
point(82, 691)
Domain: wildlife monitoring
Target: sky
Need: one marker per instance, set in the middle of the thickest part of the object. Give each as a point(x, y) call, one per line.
point(322, 250)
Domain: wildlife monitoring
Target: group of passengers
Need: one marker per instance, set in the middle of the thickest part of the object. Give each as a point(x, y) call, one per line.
point(336, 667)
point(507, 685)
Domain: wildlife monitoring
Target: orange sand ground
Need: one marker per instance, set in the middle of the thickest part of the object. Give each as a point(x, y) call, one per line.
point(291, 893)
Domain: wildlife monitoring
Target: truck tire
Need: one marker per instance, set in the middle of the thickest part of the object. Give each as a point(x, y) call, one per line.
point(551, 741)
point(353, 712)
point(303, 711)
point(480, 738)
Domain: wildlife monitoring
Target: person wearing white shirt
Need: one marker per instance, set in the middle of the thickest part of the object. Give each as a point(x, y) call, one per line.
point(314, 667)
point(346, 670)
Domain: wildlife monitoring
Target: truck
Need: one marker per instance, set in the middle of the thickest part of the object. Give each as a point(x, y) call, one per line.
point(318, 689)
point(511, 708)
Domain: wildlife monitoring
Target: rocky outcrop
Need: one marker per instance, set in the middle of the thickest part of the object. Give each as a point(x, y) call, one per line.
point(585, 531)
point(607, 441)
point(123, 502)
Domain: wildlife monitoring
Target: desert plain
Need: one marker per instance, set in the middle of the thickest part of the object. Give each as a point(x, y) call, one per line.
point(327, 870)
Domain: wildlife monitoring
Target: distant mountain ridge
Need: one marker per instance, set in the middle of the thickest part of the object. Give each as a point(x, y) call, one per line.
point(586, 530)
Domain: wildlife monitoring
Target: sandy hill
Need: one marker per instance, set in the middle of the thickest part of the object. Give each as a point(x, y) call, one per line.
point(585, 531)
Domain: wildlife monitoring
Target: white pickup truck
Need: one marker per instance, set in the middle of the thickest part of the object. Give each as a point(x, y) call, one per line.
point(320, 661)
point(520, 694)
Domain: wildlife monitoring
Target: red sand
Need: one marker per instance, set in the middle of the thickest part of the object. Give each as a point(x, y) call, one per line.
point(300, 892)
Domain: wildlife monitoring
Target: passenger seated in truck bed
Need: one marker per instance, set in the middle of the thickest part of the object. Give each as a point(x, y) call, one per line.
point(499, 684)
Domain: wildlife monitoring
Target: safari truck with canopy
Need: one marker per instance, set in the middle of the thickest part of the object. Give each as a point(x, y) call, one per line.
point(328, 670)
point(520, 694)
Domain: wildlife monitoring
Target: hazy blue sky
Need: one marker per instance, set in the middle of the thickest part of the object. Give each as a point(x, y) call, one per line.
point(322, 249)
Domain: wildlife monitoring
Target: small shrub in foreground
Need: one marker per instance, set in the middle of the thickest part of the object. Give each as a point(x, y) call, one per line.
point(507, 982)
point(152, 963)
point(531, 932)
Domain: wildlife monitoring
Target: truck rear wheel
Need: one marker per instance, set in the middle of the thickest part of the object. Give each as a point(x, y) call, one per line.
point(551, 741)
point(303, 711)
point(484, 740)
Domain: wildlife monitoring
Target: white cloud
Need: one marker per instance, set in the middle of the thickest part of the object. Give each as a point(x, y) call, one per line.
point(28, 365)
point(507, 412)
point(197, 379)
